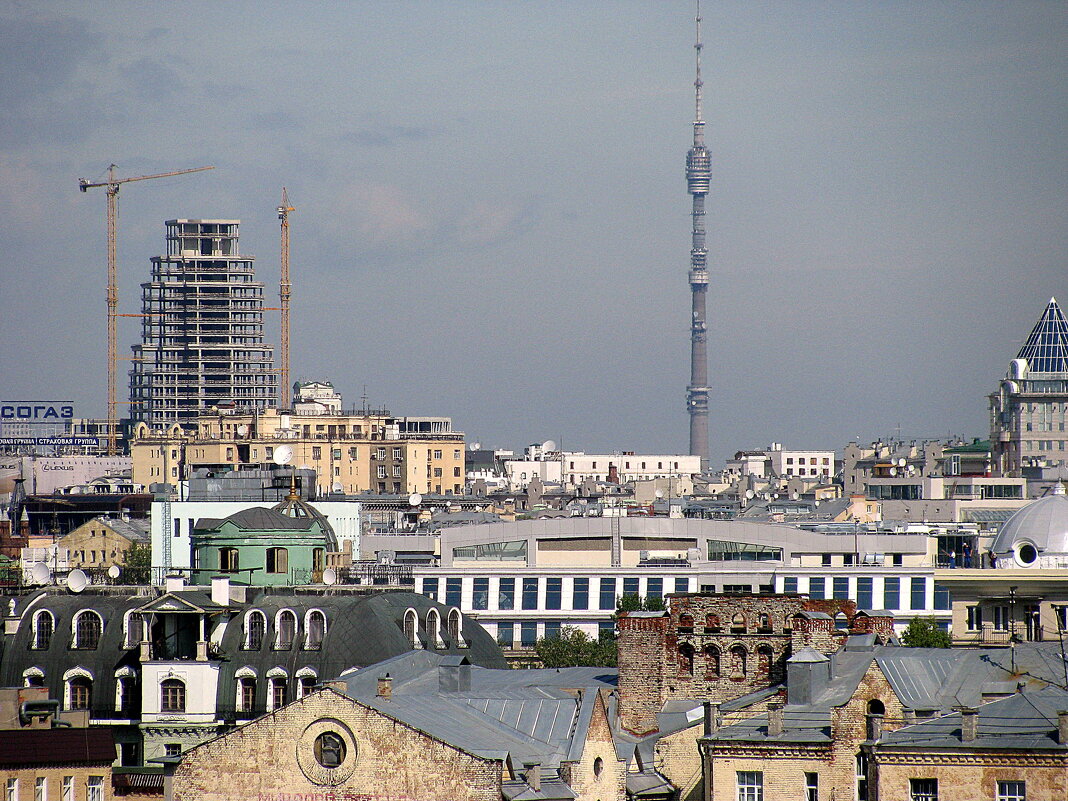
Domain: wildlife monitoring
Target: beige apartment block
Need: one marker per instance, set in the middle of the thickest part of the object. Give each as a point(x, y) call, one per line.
point(366, 451)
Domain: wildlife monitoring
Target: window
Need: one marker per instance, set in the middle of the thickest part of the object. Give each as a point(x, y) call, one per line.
point(750, 785)
point(87, 628)
point(81, 692)
point(317, 452)
point(580, 594)
point(480, 594)
point(686, 660)
point(654, 588)
point(329, 749)
point(506, 594)
point(530, 593)
point(43, 626)
point(812, 787)
point(255, 627)
point(453, 591)
point(430, 588)
point(711, 654)
point(554, 590)
point(172, 749)
point(246, 694)
point(277, 560)
point(942, 599)
point(40, 789)
point(923, 789)
point(682, 585)
point(552, 630)
point(840, 587)
point(975, 618)
point(411, 628)
point(68, 789)
point(124, 693)
point(892, 593)
point(285, 630)
point(433, 628)
point(864, 593)
point(12, 790)
point(278, 692)
point(862, 777)
point(455, 625)
point(1011, 791)
point(789, 584)
point(630, 585)
point(172, 695)
point(918, 593)
point(607, 598)
point(825, 560)
point(505, 634)
point(228, 559)
point(315, 628)
point(94, 788)
point(306, 685)
point(817, 588)
point(1001, 618)
point(528, 634)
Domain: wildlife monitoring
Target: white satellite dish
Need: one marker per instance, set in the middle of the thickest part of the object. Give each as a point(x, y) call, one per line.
point(659, 493)
point(794, 496)
point(77, 580)
point(242, 430)
point(283, 455)
point(549, 445)
point(448, 504)
point(749, 494)
point(893, 471)
point(40, 574)
point(337, 486)
point(901, 462)
point(330, 576)
point(415, 499)
point(113, 571)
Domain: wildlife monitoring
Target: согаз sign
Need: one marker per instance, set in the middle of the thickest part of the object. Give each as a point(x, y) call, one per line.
point(36, 411)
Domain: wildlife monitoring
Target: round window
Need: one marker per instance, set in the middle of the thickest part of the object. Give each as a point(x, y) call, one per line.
point(598, 766)
point(1026, 553)
point(329, 749)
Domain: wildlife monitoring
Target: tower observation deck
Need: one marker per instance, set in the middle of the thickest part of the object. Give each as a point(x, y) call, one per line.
point(698, 175)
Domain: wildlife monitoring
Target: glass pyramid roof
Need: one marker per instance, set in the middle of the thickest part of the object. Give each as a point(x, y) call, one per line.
point(1046, 349)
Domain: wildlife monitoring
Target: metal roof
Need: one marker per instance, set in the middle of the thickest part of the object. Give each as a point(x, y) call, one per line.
point(1046, 348)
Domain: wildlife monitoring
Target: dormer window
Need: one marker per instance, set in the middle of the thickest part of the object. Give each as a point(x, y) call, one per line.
point(88, 626)
point(285, 630)
point(43, 626)
point(315, 628)
point(255, 628)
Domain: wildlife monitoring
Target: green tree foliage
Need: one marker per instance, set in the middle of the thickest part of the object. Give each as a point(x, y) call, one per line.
point(923, 633)
point(574, 648)
point(137, 564)
point(636, 603)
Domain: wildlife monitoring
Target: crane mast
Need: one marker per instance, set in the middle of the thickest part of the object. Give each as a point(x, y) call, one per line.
point(111, 186)
point(284, 288)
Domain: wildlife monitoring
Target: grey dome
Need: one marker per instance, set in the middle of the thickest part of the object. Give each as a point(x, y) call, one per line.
point(1042, 524)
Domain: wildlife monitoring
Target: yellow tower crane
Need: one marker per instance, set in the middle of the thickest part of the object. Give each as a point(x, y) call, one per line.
point(112, 184)
point(283, 294)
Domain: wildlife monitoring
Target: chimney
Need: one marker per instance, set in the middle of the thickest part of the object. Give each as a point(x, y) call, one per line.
point(775, 723)
point(454, 674)
point(385, 687)
point(533, 770)
point(711, 718)
point(220, 590)
point(875, 726)
point(1062, 727)
point(174, 583)
point(969, 724)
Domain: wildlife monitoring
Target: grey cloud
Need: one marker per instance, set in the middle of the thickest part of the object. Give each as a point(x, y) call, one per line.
point(40, 57)
point(149, 80)
point(386, 135)
point(277, 121)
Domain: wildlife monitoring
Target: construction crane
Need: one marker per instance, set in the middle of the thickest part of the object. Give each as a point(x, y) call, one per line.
point(112, 184)
point(283, 294)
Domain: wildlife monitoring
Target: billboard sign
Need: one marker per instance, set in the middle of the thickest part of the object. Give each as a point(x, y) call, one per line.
point(36, 411)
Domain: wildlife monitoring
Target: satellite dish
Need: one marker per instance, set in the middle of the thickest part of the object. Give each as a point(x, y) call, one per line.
point(283, 455)
point(329, 576)
point(448, 504)
point(242, 430)
point(337, 486)
point(794, 496)
point(40, 574)
point(548, 445)
point(901, 462)
point(415, 499)
point(749, 494)
point(893, 471)
point(659, 493)
point(77, 580)
point(113, 571)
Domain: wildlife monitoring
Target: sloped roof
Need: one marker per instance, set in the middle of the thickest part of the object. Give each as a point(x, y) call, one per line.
point(89, 746)
point(258, 518)
point(1046, 348)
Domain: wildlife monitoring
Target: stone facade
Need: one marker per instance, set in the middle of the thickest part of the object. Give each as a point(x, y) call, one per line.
point(973, 775)
point(275, 758)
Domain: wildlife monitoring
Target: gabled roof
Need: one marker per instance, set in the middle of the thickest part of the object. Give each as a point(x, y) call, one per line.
point(1046, 349)
point(183, 601)
point(257, 518)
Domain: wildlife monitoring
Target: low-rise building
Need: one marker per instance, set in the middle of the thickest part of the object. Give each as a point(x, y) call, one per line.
point(103, 542)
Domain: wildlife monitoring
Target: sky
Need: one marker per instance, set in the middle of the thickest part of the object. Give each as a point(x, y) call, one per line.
point(492, 221)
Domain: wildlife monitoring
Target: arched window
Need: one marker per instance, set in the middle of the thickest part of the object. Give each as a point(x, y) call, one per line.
point(246, 690)
point(738, 660)
point(411, 628)
point(285, 625)
point(277, 560)
point(277, 688)
point(314, 630)
point(125, 681)
point(764, 659)
point(255, 628)
point(306, 681)
point(876, 707)
point(712, 625)
point(87, 628)
point(131, 629)
point(79, 689)
point(228, 560)
point(765, 621)
point(43, 626)
point(433, 628)
point(33, 677)
point(685, 624)
point(172, 695)
point(738, 622)
point(711, 654)
point(685, 659)
point(455, 625)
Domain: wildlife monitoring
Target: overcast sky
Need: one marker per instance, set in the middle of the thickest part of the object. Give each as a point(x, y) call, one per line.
point(492, 221)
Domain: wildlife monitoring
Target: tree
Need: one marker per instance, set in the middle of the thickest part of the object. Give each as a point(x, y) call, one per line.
point(137, 564)
point(574, 648)
point(924, 633)
point(637, 603)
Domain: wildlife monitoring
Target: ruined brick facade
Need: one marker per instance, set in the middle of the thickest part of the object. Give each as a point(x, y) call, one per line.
point(721, 647)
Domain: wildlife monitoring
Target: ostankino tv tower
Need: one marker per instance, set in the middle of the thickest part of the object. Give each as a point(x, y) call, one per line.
point(698, 170)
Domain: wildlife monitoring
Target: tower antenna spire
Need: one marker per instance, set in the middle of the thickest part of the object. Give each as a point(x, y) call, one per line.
point(698, 175)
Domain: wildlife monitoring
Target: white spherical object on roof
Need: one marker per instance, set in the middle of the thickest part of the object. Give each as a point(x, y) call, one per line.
point(1036, 535)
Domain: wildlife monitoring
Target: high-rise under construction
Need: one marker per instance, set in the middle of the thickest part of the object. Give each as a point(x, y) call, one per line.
point(202, 329)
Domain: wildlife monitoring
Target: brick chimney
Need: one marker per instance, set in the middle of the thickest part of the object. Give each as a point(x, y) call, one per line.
point(1062, 727)
point(533, 775)
point(711, 718)
point(775, 721)
point(385, 687)
point(969, 724)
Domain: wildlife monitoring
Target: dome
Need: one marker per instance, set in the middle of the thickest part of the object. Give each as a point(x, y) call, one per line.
point(1036, 535)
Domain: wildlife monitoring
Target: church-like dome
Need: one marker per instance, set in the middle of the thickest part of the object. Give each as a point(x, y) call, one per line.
point(1036, 535)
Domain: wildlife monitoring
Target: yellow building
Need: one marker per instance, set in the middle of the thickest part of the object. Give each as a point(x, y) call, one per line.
point(103, 541)
point(352, 452)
